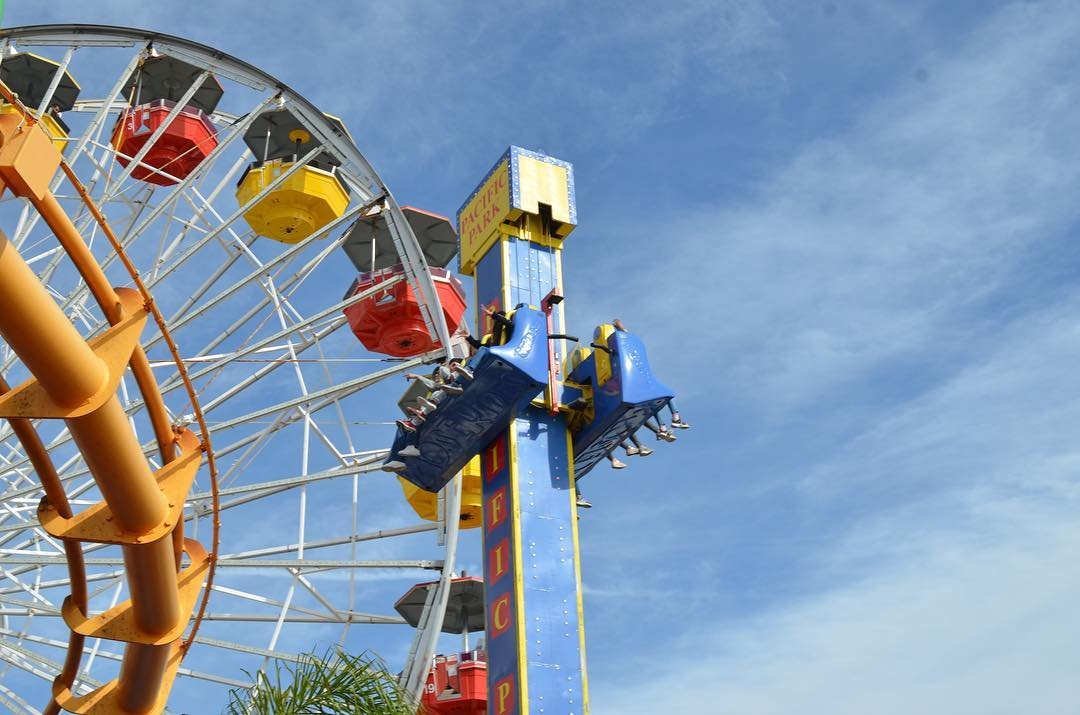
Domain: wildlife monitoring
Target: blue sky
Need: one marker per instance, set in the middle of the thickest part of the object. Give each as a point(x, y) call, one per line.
point(847, 232)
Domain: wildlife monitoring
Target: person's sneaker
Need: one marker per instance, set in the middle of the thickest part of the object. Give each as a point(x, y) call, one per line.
point(406, 425)
point(583, 502)
point(669, 437)
point(462, 370)
point(416, 413)
point(677, 422)
point(431, 406)
point(631, 451)
point(410, 451)
point(452, 389)
point(395, 466)
point(645, 451)
point(616, 464)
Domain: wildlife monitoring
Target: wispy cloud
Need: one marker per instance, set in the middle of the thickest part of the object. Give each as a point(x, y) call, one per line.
point(977, 628)
point(886, 330)
point(874, 246)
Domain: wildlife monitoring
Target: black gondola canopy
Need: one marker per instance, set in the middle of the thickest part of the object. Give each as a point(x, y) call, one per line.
point(279, 134)
point(436, 235)
point(29, 75)
point(168, 78)
point(464, 607)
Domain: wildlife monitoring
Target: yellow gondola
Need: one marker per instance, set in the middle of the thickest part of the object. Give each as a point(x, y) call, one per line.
point(426, 504)
point(56, 130)
point(29, 76)
point(305, 202)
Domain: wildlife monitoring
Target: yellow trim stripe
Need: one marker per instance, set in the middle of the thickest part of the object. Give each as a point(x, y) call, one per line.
point(577, 575)
point(560, 312)
point(519, 576)
point(504, 248)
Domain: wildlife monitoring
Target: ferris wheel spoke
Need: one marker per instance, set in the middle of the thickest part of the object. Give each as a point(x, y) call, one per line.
point(271, 366)
point(66, 582)
point(249, 649)
point(279, 424)
point(117, 657)
point(356, 618)
point(271, 186)
point(37, 664)
point(28, 661)
point(188, 223)
point(37, 533)
point(337, 391)
point(211, 678)
point(257, 309)
point(30, 607)
point(324, 543)
point(185, 315)
point(33, 593)
point(330, 613)
point(247, 347)
point(14, 703)
point(261, 490)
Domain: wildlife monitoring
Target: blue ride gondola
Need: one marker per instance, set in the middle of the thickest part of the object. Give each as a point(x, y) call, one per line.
point(610, 391)
point(504, 378)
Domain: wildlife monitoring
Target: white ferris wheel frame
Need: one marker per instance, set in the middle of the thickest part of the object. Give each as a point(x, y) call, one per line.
point(22, 563)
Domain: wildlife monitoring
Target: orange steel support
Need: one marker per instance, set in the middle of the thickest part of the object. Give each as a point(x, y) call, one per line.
point(76, 381)
point(51, 348)
point(54, 492)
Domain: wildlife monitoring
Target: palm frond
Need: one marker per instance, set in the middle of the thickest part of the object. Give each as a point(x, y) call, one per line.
point(337, 682)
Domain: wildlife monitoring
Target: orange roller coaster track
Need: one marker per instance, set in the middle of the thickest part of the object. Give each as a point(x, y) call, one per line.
point(76, 380)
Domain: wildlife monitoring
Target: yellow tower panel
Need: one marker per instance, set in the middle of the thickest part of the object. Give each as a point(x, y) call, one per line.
point(479, 219)
point(28, 157)
point(519, 183)
point(542, 182)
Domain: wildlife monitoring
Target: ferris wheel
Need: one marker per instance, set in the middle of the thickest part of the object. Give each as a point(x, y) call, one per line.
point(201, 240)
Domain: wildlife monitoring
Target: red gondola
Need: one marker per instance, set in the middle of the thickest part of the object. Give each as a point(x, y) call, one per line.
point(457, 685)
point(153, 90)
point(186, 142)
point(390, 322)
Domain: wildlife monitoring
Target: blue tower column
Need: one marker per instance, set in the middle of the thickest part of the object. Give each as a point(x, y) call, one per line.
point(512, 229)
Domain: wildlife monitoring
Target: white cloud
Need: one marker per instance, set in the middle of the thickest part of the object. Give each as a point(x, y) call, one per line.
point(971, 629)
point(951, 588)
point(893, 280)
point(872, 245)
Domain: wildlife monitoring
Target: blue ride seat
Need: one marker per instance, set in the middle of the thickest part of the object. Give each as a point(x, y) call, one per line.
point(624, 393)
point(505, 378)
